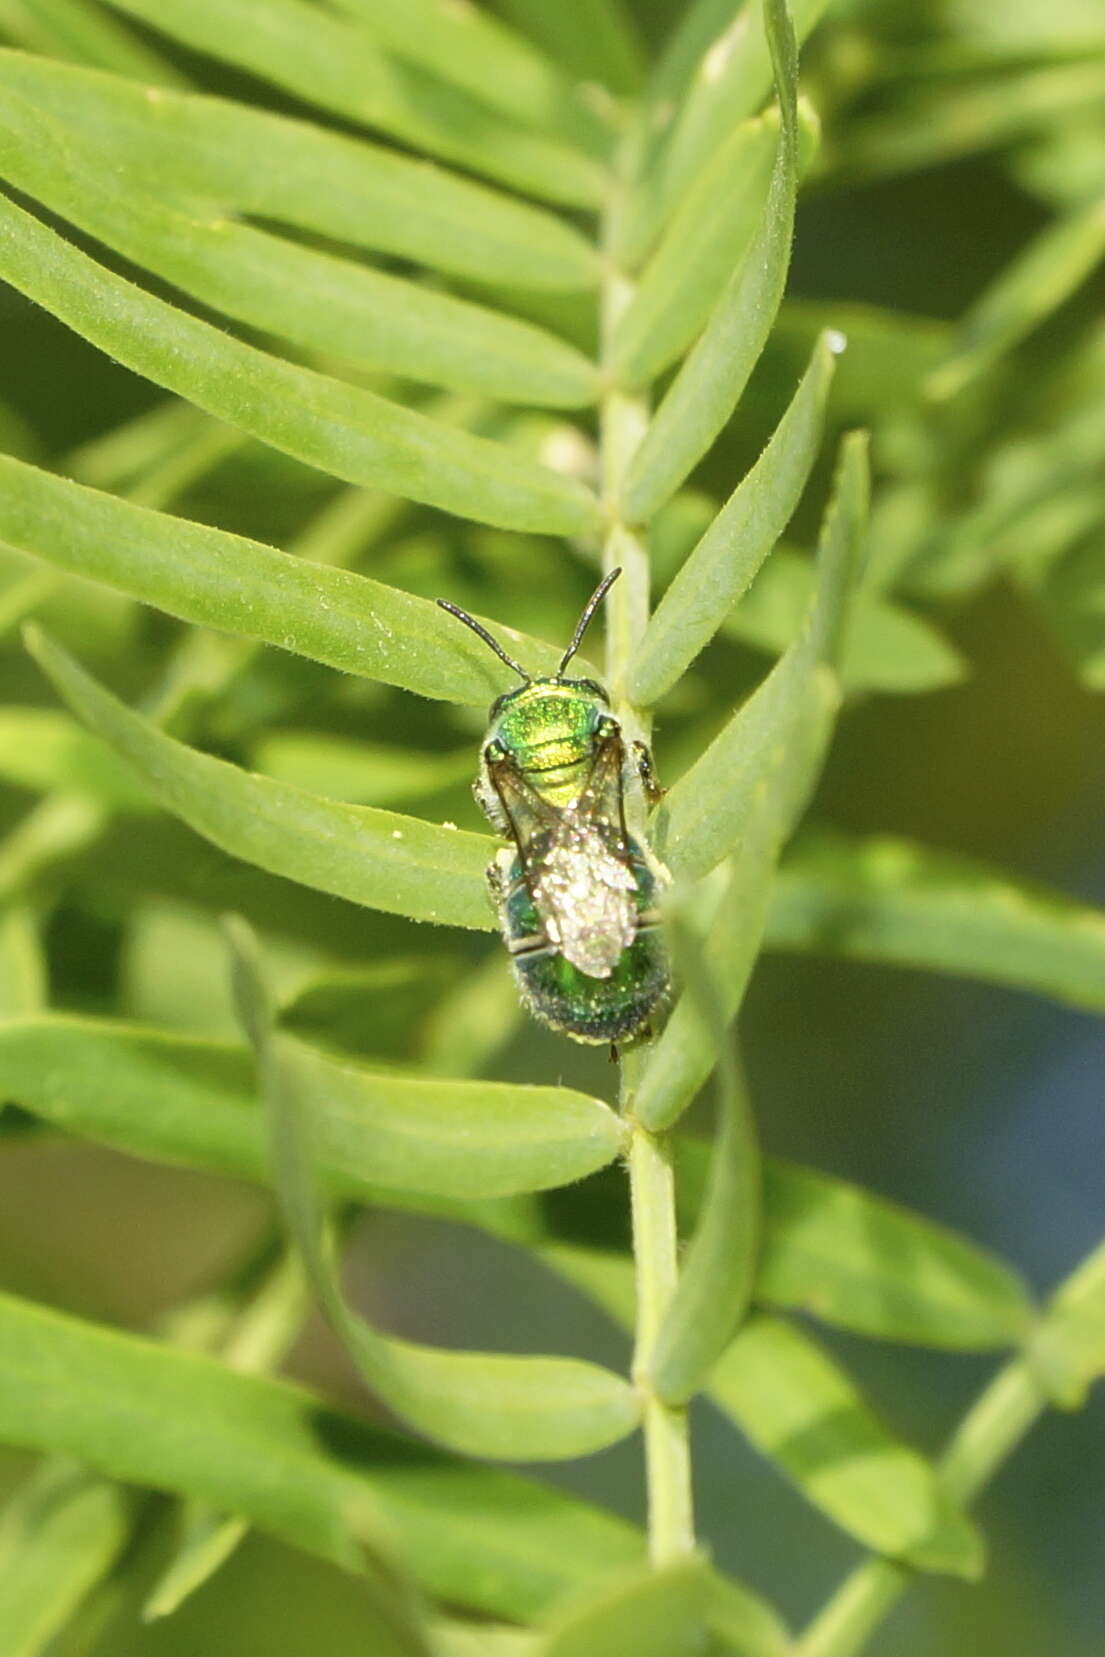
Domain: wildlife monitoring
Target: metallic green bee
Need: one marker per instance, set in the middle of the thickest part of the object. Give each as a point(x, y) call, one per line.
point(576, 893)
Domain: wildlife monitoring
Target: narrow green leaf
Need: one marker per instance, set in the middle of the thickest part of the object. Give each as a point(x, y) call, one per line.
point(883, 899)
point(59, 1534)
point(471, 1019)
point(930, 128)
point(453, 1138)
point(687, 42)
point(250, 161)
point(331, 615)
point(341, 428)
point(730, 553)
point(43, 750)
point(843, 1255)
point(884, 647)
point(483, 1404)
point(659, 1612)
point(699, 250)
point(275, 1454)
point(24, 971)
point(176, 1099)
point(1033, 285)
point(314, 300)
point(1068, 1349)
point(854, 1260)
point(334, 64)
point(707, 806)
point(497, 66)
point(72, 29)
point(262, 1324)
point(708, 386)
point(206, 1544)
point(482, 1639)
point(1069, 586)
point(803, 1412)
point(717, 1271)
point(596, 39)
point(378, 858)
point(717, 73)
point(748, 789)
point(364, 773)
point(681, 282)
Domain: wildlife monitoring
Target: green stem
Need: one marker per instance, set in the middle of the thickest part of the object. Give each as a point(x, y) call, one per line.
point(984, 1439)
point(622, 424)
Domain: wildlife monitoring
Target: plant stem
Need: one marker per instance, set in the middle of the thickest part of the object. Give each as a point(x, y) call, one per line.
point(623, 420)
point(666, 1434)
point(987, 1435)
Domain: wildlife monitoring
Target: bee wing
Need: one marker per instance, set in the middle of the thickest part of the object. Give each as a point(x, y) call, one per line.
point(603, 795)
point(526, 813)
point(585, 887)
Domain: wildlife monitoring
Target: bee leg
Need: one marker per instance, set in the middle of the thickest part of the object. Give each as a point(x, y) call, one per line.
point(646, 770)
point(613, 1052)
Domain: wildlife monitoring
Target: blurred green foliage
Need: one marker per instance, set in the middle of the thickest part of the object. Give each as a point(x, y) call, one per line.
point(272, 383)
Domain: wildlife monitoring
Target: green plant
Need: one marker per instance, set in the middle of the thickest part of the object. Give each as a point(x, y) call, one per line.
point(623, 258)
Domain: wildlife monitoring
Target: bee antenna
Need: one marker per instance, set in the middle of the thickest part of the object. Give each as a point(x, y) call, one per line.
point(589, 609)
point(470, 621)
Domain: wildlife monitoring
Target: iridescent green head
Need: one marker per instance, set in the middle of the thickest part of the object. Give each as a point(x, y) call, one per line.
point(547, 726)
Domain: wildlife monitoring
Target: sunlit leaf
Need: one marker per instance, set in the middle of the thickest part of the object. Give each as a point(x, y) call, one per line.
point(331, 615)
point(883, 899)
point(24, 972)
point(593, 38)
point(720, 59)
point(748, 789)
point(707, 806)
point(499, 67)
point(718, 1267)
point(177, 1099)
point(483, 1404)
point(59, 1534)
point(661, 1612)
point(696, 255)
point(341, 428)
point(276, 285)
point(934, 127)
point(884, 647)
point(365, 773)
point(330, 62)
point(240, 158)
point(857, 1261)
point(41, 750)
point(277, 1455)
point(1068, 1349)
point(801, 1410)
point(72, 29)
point(708, 385)
point(727, 558)
point(481, 1639)
point(378, 858)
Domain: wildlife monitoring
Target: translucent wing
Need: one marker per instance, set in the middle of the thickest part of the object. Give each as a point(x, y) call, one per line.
point(576, 859)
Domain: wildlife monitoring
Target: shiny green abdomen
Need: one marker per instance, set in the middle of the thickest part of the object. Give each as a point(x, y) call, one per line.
point(591, 1009)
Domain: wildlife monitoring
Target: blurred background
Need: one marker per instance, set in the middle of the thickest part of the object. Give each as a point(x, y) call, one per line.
point(981, 1107)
